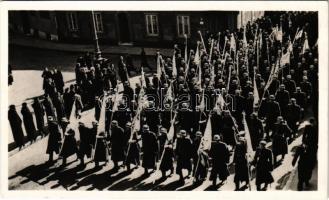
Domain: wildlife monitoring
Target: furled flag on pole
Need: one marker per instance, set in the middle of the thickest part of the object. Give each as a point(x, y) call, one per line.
point(136, 121)
point(171, 133)
point(73, 122)
point(218, 40)
point(256, 94)
point(143, 82)
point(199, 76)
point(299, 35)
point(229, 79)
point(197, 55)
point(220, 103)
point(285, 59)
point(169, 94)
point(290, 47)
point(305, 46)
point(159, 71)
point(211, 47)
point(260, 40)
point(205, 143)
point(245, 43)
point(174, 69)
point(250, 150)
point(202, 103)
point(274, 72)
point(232, 43)
point(101, 121)
point(185, 53)
point(115, 99)
point(278, 35)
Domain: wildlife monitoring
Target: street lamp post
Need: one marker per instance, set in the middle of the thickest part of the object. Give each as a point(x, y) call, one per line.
point(98, 52)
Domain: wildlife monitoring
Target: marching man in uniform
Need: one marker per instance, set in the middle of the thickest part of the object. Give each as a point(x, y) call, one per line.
point(220, 158)
point(263, 161)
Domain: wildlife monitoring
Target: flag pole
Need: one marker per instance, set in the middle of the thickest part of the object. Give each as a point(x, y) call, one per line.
point(97, 49)
point(202, 41)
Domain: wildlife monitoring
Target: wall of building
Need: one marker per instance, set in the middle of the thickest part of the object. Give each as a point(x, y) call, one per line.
point(134, 32)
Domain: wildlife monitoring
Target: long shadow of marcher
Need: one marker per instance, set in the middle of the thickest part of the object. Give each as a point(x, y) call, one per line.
point(151, 185)
point(191, 187)
point(101, 181)
point(127, 183)
point(35, 173)
point(171, 186)
point(65, 178)
point(214, 187)
point(282, 181)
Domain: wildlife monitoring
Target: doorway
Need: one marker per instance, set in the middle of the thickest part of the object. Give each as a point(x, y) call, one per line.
point(124, 32)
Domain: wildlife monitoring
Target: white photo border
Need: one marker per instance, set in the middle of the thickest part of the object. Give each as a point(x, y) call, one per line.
point(320, 6)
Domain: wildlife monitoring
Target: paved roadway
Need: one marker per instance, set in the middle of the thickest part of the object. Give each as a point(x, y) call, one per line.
point(27, 169)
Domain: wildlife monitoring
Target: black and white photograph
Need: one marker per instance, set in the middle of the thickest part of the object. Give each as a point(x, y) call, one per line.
point(163, 100)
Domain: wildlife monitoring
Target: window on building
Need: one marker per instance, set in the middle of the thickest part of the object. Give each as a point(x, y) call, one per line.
point(44, 14)
point(98, 22)
point(152, 26)
point(183, 25)
point(72, 21)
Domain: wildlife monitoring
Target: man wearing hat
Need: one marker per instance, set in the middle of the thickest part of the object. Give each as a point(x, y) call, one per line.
point(150, 149)
point(63, 124)
point(101, 149)
point(195, 146)
point(152, 116)
point(162, 138)
point(69, 146)
point(293, 116)
point(133, 151)
point(219, 160)
point(118, 144)
point(290, 85)
point(239, 104)
point(227, 128)
point(264, 166)
point(167, 161)
point(87, 141)
point(55, 138)
point(185, 117)
point(184, 154)
point(39, 116)
point(282, 97)
point(300, 99)
point(281, 133)
point(272, 111)
point(240, 162)
point(256, 130)
point(16, 126)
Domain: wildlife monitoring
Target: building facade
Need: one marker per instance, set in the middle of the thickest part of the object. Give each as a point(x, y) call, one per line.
point(138, 28)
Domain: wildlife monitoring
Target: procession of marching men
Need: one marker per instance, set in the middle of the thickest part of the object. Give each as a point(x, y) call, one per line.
point(232, 94)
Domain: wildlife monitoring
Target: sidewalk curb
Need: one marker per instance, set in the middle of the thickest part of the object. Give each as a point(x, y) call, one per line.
point(44, 44)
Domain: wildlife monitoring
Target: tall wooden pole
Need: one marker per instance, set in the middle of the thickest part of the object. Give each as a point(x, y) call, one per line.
point(97, 49)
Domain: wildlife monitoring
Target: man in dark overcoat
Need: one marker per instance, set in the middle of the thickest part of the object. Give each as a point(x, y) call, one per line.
point(256, 130)
point(281, 133)
point(118, 144)
point(150, 149)
point(16, 126)
point(293, 115)
point(306, 164)
point(39, 113)
point(272, 111)
point(184, 154)
point(28, 123)
point(240, 163)
point(55, 138)
point(264, 166)
point(219, 160)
